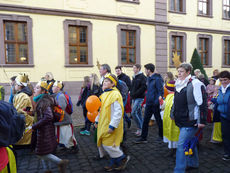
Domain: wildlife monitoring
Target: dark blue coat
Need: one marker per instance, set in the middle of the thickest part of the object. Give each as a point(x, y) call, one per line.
point(155, 89)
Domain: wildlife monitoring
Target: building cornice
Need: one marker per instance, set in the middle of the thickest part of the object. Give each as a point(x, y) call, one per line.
point(69, 13)
point(184, 28)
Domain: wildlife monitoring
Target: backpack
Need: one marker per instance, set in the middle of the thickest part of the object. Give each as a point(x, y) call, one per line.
point(69, 107)
point(12, 124)
point(123, 88)
point(58, 113)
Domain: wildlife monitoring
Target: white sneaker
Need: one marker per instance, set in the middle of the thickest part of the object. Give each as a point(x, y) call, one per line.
point(138, 133)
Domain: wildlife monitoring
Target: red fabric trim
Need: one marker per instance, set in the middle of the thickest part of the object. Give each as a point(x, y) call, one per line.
point(74, 141)
point(58, 133)
point(128, 108)
point(3, 158)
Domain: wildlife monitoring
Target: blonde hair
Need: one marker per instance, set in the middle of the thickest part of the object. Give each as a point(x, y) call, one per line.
point(95, 80)
point(86, 81)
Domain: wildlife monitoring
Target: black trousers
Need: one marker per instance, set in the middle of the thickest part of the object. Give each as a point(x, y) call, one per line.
point(149, 110)
point(225, 129)
point(87, 122)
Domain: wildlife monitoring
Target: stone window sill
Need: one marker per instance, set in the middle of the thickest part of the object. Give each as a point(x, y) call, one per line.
point(225, 66)
point(226, 18)
point(127, 65)
point(203, 15)
point(79, 65)
point(207, 66)
point(17, 65)
point(132, 2)
point(177, 12)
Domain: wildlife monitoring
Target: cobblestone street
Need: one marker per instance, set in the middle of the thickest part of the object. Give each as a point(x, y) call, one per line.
point(145, 158)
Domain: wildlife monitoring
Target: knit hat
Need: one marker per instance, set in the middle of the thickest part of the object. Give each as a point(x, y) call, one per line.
point(22, 79)
point(170, 85)
point(58, 84)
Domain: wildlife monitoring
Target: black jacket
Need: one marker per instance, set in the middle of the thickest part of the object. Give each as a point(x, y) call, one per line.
point(126, 79)
point(86, 92)
point(138, 86)
point(26, 90)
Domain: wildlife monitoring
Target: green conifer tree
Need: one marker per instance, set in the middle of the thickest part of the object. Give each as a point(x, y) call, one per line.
point(196, 63)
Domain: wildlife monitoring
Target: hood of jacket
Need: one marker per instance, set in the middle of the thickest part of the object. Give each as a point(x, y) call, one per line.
point(27, 91)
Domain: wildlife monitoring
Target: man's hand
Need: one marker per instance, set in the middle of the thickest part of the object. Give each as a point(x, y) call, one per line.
point(200, 126)
point(110, 131)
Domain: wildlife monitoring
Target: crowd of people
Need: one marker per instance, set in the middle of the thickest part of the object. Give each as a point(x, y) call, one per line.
point(181, 106)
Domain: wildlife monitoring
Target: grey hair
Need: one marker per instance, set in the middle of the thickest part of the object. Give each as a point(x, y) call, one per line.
point(106, 67)
point(197, 70)
point(187, 66)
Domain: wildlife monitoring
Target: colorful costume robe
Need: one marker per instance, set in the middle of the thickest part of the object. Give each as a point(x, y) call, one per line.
point(103, 137)
point(21, 102)
point(170, 130)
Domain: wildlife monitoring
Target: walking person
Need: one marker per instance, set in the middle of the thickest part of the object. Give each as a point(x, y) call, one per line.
point(91, 86)
point(64, 128)
point(154, 93)
point(110, 124)
point(12, 89)
point(22, 103)
point(46, 142)
point(137, 94)
point(223, 107)
point(50, 80)
point(104, 70)
point(189, 111)
point(123, 77)
point(170, 130)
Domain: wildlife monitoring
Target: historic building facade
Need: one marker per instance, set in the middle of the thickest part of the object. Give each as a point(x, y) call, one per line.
point(70, 37)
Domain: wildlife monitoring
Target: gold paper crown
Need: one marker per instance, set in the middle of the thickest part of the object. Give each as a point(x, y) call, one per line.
point(43, 84)
point(58, 84)
point(22, 79)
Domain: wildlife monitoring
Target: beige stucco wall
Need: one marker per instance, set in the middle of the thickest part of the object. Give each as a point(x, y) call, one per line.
point(191, 44)
point(144, 10)
point(48, 48)
point(190, 19)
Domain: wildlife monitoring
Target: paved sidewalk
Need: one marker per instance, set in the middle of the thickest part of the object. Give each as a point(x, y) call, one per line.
point(145, 158)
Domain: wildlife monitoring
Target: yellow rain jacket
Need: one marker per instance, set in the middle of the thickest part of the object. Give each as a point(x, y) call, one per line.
point(103, 137)
point(21, 101)
point(170, 130)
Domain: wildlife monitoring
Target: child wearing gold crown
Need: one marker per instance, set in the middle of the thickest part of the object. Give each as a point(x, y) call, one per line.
point(22, 103)
point(110, 124)
point(64, 129)
point(45, 130)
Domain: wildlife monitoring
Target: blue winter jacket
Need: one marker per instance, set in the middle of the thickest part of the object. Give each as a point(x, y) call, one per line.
point(223, 101)
point(154, 89)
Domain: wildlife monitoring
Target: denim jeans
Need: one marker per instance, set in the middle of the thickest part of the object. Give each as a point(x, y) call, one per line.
point(48, 157)
point(137, 112)
point(183, 161)
point(149, 111)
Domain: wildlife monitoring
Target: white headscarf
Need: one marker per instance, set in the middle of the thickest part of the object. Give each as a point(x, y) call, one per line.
point(180, 84)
